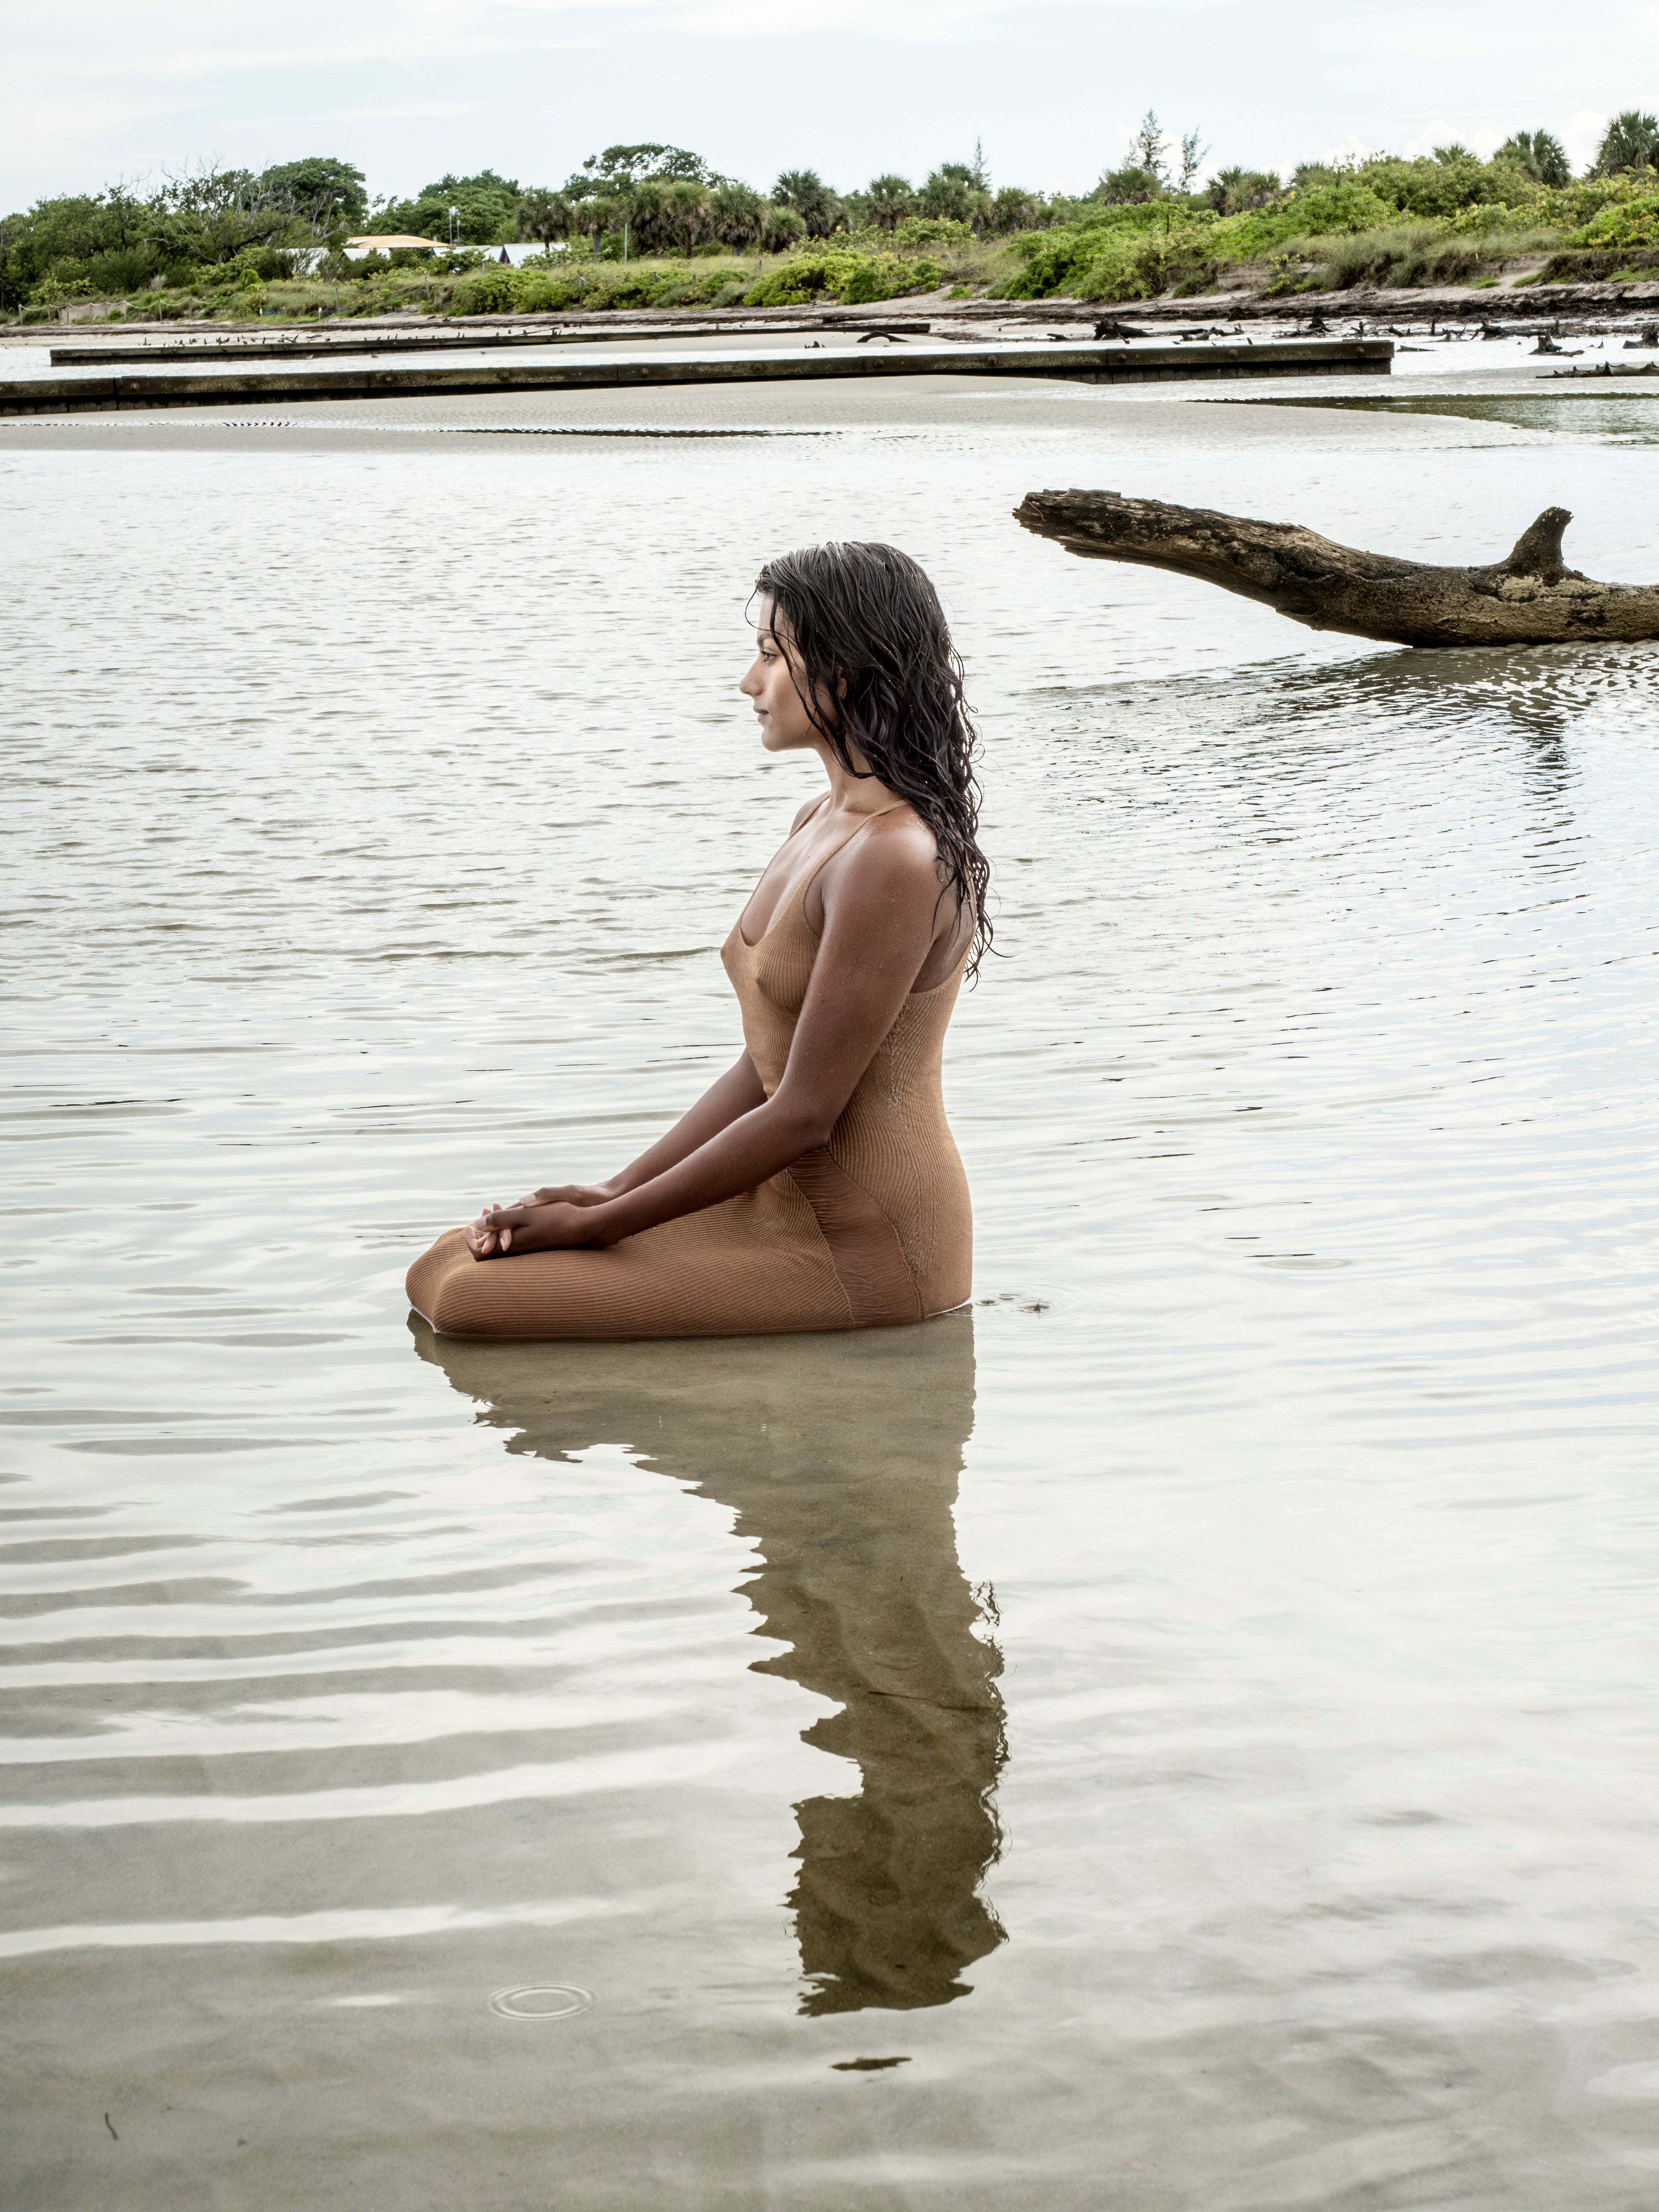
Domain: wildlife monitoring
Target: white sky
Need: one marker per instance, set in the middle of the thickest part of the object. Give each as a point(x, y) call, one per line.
point(409, 89)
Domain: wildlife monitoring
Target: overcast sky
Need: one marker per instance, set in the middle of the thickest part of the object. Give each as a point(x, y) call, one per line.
point(409, 89)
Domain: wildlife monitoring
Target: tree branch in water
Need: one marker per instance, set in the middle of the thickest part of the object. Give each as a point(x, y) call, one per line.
point(1529, 597)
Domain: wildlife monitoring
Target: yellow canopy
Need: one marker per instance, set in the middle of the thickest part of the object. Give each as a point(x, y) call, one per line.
point(385, 244)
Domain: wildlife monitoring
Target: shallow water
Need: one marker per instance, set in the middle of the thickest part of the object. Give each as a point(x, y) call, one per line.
point(1192, 1710)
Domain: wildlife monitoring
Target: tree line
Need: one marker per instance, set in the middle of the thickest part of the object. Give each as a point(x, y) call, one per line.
point(654, 200)
point(666, 198)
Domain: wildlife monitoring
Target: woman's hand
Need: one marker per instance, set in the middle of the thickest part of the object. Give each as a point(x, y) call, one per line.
point(487, 1240)
point(502, 1230)
point(570, 1194)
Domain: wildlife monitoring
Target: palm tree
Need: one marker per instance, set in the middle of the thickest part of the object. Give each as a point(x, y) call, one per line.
point(546, 216)
point(1538, 154)
point(951, 192)
point(1630, 141)
point(1014, 208)
point(599, 212)
point(688, 213)
point(891, 199)
point(739, 213)
point(813, 201)
point(1128, 185)
point(783, 228)
point(1231, 192)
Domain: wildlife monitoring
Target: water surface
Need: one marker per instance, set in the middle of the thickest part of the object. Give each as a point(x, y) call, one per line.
point(1193, 1709)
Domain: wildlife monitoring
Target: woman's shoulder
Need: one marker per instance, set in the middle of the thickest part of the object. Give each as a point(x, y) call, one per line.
point(895, 845)
point(901, 831)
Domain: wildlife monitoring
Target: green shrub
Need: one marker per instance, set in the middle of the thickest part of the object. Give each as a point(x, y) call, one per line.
point(1138, 252)
point(1346, 205)
point(552, 284)
point(492, 290)
point(538, 292)
point(804, 278)
point(1441, 184)
point(1053, 258)
point(1635, 224)
point(1485, 219)
point(699, 288)
point(1133, 215)
point(1582, 202)
point(879, 276)
point(1141, 269)
point(917, 231)
point(850, 277)
point(1118, 262)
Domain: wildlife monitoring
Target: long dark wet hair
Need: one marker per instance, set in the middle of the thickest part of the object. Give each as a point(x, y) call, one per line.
point(864, 623)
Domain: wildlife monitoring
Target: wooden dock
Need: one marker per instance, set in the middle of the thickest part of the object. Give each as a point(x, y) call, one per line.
point(1073, 362)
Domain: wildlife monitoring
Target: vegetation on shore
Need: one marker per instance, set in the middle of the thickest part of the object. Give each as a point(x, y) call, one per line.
point(653, 226)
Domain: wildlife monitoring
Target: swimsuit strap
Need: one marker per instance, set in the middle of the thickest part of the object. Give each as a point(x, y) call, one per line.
point(798, 895)
point(862, 823)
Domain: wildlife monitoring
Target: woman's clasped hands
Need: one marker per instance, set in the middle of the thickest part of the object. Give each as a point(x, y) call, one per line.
point(554, 1219)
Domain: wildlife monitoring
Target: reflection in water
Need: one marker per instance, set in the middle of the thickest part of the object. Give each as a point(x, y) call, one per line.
point(1485, 695)
point(1537, 688)
point(839, 1456)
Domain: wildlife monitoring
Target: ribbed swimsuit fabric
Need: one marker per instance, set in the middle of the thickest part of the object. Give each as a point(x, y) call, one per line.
point(871, 1231)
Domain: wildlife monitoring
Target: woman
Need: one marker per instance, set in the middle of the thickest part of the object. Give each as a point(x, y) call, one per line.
point(816, 1186)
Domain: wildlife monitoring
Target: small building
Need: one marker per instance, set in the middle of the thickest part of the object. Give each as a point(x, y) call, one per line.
point(356, 248)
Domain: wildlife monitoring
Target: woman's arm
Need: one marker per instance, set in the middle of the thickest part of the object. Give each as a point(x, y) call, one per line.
point(882, 914)
point(739, 1091)
point(736, 1092)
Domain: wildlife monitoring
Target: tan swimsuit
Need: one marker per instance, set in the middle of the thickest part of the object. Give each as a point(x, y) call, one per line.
point(870, 1231)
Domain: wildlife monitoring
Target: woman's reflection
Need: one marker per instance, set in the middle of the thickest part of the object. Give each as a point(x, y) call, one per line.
point(839, 1456)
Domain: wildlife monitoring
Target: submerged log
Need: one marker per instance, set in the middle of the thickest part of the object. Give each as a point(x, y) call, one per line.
point(1530, 597)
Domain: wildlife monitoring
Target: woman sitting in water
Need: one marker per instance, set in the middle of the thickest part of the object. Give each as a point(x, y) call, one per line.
point(816, 1185)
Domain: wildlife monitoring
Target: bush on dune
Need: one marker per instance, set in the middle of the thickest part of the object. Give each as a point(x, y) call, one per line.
point(1136, 253)
point(1634, 223)
point(550, 287)
point(487, 292)
point(1058, 261)
point(848, 278)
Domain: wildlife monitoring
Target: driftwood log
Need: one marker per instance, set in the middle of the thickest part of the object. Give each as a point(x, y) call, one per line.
point(1530, 597)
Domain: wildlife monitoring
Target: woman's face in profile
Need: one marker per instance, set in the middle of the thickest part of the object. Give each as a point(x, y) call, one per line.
point(784, 726)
